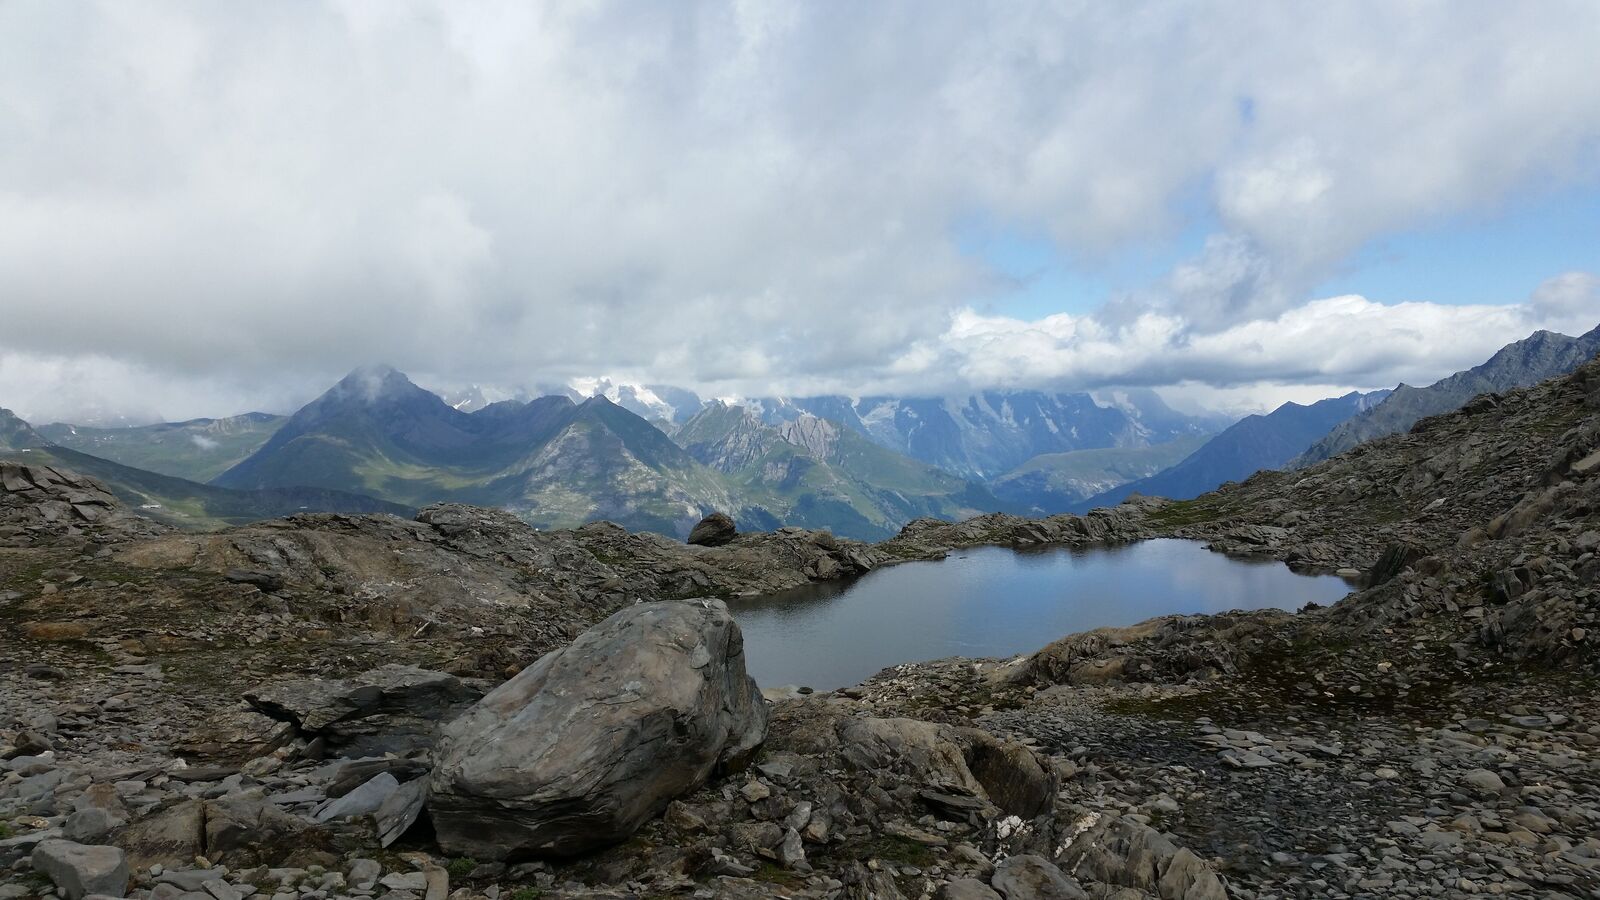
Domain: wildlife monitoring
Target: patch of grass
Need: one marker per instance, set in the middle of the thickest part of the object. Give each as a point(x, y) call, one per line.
point(460, 867)
point(1185, 512)
point(772, 873)
point(900, 850)
point(5, 831)
point(527, 893)
point(610, 559)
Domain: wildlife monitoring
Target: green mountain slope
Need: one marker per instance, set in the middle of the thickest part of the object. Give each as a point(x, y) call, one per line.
point(198, 450)
point(1242, 449)
point(1053, 482)
point(552, 462)
point(177, 501)
point(814, 473)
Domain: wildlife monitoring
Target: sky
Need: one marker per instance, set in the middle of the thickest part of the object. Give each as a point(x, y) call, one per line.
point(212, 208)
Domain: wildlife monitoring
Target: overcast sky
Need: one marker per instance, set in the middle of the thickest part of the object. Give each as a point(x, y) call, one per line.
point(213, 207)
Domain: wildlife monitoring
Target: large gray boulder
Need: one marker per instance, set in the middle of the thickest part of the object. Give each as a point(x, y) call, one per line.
point(581, 748)
point(81, 869)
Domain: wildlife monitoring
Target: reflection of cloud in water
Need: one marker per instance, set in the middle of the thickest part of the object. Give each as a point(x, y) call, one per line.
point(995, 602)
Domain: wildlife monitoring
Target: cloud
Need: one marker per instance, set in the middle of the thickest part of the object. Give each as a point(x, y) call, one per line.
point(226, 208)
point(1347, 341)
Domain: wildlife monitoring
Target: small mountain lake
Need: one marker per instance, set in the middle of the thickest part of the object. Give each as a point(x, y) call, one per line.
point(994, 601)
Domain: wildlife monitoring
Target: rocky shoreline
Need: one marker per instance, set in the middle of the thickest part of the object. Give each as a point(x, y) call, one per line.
point(251, 712)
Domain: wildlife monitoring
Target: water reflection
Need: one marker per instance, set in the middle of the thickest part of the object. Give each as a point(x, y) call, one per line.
point(993, 601)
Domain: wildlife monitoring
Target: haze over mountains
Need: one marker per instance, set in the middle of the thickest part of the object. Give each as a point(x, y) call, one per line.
point(656, 457)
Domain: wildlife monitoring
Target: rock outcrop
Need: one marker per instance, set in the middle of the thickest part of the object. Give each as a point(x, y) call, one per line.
point(41, 503)
point(391, 709)
point(578, 750)
point(713, 531)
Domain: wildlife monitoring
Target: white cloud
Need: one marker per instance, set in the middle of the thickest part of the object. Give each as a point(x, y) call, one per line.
point(205, 209)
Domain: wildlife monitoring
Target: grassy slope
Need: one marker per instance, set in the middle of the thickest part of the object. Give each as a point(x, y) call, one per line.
point(1052, 481)
point(198, 450)
point(192, 505)
point(858, 489)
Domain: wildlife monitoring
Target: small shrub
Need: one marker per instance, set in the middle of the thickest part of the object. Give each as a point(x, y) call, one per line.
point(460, 867)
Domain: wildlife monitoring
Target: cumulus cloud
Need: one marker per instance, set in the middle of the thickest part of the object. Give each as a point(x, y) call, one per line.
point(205, 209)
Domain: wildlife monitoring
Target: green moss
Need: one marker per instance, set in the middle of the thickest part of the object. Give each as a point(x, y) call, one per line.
point(5, 831)
point(900, 850)
point(772, 873)
point(527, 893)
point(1186, 512)
point(460, 867)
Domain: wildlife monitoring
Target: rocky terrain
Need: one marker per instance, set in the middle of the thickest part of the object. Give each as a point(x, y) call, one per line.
point(460, 706)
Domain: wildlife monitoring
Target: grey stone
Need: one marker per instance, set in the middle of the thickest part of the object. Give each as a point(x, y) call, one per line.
point(581, 748)
point(87, 826)
point(82, 869)
point(1031, 877)
point(392, 708)
point(966, 889)
point(400, 810)
point(363, 873)
point(364, 800)
point(713, 531)
point(1484, 782)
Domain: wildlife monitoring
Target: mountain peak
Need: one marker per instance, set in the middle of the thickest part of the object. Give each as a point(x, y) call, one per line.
point(15, 434)
point(371, 384)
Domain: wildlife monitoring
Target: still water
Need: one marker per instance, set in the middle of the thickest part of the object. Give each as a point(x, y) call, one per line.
point(993, 601)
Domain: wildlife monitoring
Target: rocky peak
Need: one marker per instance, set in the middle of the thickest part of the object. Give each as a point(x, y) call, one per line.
point(16, 434)
point(818, 436)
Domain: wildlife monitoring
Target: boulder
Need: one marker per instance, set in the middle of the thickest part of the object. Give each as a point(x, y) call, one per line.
point(170, 837)
point(81, 869)
point(1121, 851)
point(713, 531)
point(391, 709)
point(247, 829)
point(956, 771)
point(581, 748)
point(1396, 558)
point(1030, 877)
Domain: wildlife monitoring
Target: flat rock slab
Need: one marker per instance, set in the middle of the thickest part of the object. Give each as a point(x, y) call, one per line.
point(391, 709)
point(82, 869)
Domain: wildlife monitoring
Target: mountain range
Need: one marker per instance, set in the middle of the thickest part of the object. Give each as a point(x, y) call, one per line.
point(179, 501)
point(987, 434)
point(550, 460)
point(1249, 445)
point(654, 457)
point(1544, 354)
point(812, 472)
point(1052, 482)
